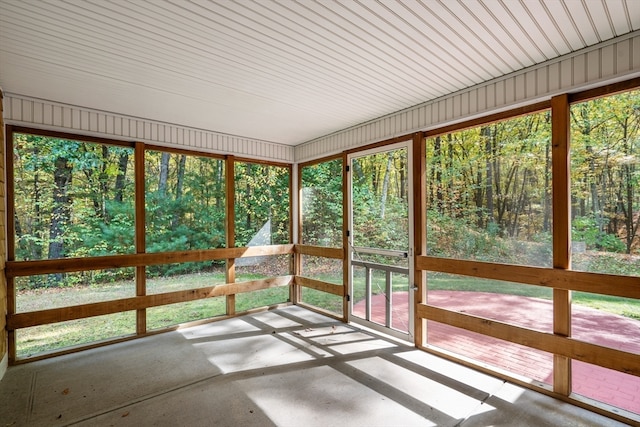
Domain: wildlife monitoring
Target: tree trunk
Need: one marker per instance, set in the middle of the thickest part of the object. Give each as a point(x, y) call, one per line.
point(121, 179)
point(402, 168)
point(449, 168)
point(478, 198)
point(629, 214)
point(437, 152)
point(104, 183)
point(248, 198)
point(97, 179)
point(546, 222)
point(180, 176)
point(593, 188)
point(164, 174)
point(220, 191)
point(61, 214)
point(385, 185)
point(36, 249)
point(488, 149)
point(179, 188)
point(629, 172)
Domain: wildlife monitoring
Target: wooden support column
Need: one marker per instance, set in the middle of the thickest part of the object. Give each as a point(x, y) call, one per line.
point(141, 237)
point(230, 273)
point(296, 290)
point(345, 240)
point(7, 285)
point(419, 235)
point(11, 248)
point(560, 137)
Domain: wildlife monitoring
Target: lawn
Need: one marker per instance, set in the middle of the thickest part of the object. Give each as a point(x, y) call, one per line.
point(51, 337)
point(43, 338)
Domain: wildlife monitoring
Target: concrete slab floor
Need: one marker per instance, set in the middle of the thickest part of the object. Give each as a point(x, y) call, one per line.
point(287, 367)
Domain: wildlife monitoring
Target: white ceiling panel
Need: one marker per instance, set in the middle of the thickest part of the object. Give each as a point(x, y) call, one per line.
point(287, 71)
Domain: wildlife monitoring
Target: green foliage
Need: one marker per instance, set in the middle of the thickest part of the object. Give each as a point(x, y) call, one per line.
point(71, 199)
point(460, 238)
point(96, 237)
point(322, 204)
point(606, 262)
point(590, 230)
point(495, 175)
point(262, 204)
point(185, 200)
point(489, 188)
point(380, 200)
point(604, 157)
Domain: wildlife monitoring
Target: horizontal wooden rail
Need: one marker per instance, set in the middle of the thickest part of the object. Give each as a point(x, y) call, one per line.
point(380, 267)
point(320, 251)
point(320, 285)
point(555, 344)
point(54, 315)
point(606, 284)
point(66, 265)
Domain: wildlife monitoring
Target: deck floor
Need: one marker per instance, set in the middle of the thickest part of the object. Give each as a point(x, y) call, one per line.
point(287, 367)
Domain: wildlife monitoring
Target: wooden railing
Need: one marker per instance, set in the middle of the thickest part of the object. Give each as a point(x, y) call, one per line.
point(15, 269)
point(605, 284)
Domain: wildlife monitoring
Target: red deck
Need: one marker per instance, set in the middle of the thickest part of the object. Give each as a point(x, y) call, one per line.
point(590, 325)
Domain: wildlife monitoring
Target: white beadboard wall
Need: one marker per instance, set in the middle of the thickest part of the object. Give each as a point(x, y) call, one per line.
point(37, 113)
point(600, 64)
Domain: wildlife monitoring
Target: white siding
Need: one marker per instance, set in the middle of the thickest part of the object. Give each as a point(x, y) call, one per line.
point(600, 64)
point(36, 113)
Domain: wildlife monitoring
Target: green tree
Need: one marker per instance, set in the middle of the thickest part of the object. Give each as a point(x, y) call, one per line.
point(67, 194)
point(262, 203)
point(322, 203)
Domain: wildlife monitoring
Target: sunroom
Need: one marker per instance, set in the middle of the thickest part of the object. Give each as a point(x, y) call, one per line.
point(457, 178)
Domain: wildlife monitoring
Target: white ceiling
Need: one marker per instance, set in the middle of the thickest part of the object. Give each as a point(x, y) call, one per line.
point(283, 70)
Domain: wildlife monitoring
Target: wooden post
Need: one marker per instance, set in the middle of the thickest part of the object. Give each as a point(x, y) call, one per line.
point(345, 240)
point(230, 273)
point(140, 229)
point(560, 138)
point(7, 297)
point(10, 238)
point(296, 290)
point(419, 235)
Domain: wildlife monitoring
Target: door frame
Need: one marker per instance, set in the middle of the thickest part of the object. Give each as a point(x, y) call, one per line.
point(408, 145)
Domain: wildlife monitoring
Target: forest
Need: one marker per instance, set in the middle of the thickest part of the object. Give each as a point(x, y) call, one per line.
point(489, 188)
point(488, 197)
point(77, 199)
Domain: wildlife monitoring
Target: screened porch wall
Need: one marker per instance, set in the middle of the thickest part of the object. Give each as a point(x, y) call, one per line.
point(607, 62)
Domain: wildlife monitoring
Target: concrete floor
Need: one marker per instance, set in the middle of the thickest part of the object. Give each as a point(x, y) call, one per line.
point(615, 388)
point(288, 367)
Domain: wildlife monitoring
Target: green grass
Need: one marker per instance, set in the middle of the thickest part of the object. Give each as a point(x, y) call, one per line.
point(329, 302)
point(51, 337)
point(56, 336)
point(627, 307)
point(44, 338)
